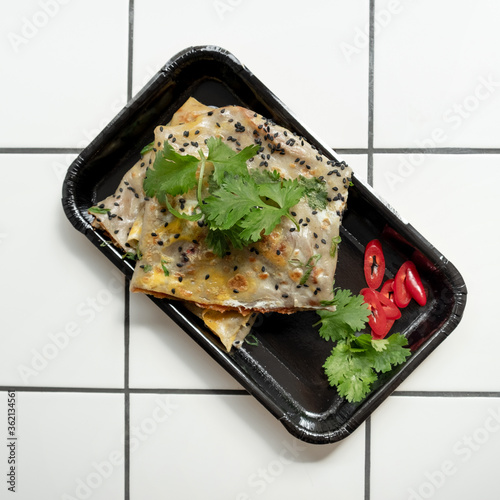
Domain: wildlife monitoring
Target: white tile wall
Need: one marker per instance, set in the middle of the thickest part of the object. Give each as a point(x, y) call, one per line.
point(437, 80)
point(65, 70)
point(236, 451)
point(451, 200)
point(70, 445)
point(63, 327)
point(298, 53)
point(63, 319)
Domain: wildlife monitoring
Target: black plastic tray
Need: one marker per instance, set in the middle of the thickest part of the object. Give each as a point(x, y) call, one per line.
point(284, 371)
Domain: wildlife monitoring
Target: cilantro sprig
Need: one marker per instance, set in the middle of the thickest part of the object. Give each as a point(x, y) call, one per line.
point(241, 206)
point(356, 359)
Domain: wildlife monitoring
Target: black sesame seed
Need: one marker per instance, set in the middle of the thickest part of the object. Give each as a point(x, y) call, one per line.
point(160, 242)
point(207, 276)
point(153, 234)
point(176, 235)
point(185, 133)
point(323, 241)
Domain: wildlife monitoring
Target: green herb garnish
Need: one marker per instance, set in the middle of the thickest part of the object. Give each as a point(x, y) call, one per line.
point(147, 148)
point(98, 210)
point(308, 266)
point(335, 243)
point(240, 208)
point(356, 360)
point(164, 267)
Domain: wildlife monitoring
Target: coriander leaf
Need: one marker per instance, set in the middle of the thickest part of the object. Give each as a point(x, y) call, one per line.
point(219, 240)
point(231, 202)
point(261, 176)
point(394, 353)
point(146, 268)
point(350, 315)
point(172, 174)
point(98, 210)
point(285, 194)
point(379, 344)
point(315, 191)
point(364, 341)
point(349, 371)
point(147, 148)
point(225, 160)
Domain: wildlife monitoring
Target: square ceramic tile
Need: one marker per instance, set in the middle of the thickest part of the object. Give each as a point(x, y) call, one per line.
point(439, 448)
point(299, 53)
point(68, 446)
point(452, 201)
point(437, 80)
point(67, 73)
point(234, 449)
point(162, 355)
point(63, 313)
point(358, 163)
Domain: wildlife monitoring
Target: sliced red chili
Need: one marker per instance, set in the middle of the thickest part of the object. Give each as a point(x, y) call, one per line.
point(390, 309)
point(390, 322)
point(374, 264)
point(402, 296)
point(414, 284)
point(377, 319)
point(388, 290)
point(408, 285)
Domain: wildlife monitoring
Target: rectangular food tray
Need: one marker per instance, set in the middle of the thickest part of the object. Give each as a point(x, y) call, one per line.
point(284, 370)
